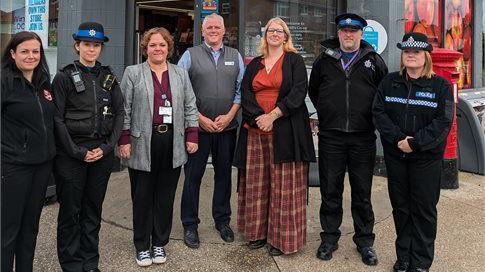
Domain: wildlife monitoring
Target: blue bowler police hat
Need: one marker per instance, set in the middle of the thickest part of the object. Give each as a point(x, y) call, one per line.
point(415, 40)
point(350, 20)
point(90, 31)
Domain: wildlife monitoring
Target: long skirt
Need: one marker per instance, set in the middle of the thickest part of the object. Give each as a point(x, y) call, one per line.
point(272, 197)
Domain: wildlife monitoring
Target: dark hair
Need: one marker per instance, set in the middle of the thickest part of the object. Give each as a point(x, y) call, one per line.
point(8, 63)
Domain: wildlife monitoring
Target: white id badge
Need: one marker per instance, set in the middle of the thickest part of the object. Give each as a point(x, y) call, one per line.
point(166, 113)
point(229, 63)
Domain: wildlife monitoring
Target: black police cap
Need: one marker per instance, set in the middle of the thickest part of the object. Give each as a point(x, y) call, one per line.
point(90, 31)
point(350, 20)
point(415, 40)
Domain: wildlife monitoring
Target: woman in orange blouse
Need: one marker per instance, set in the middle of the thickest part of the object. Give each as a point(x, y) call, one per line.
point(274, 145)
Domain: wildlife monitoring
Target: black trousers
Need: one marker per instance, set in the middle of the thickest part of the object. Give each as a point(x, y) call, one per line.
point(338, 151)
point(23, 194)
point(221, 146)
point(81, 188)
point(414, 191)
point(153, 194)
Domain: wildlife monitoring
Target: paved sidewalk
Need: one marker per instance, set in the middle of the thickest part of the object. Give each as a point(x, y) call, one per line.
point(460, 244)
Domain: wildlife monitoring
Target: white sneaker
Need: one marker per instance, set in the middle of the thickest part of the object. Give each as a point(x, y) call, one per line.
point(143, 258)
point(158, 255)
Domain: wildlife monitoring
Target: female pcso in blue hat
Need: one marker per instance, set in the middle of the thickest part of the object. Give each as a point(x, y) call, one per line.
point(413, 111)
point(90, 103)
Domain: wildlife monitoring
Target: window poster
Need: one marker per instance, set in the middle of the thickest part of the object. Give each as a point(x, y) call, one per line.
point(424, 16)
point(37, 18)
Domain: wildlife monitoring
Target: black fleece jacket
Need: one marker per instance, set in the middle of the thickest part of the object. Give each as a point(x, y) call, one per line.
point(343, 99)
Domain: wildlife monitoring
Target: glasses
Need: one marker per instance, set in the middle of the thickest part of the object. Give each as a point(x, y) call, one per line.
point(272, 30)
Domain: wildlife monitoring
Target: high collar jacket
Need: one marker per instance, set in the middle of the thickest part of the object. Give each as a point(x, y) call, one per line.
point(343, 98)
point(421, 108)
point(28, 114)
point(91, 118)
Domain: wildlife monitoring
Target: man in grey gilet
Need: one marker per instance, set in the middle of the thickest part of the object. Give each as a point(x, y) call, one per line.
point(216, 72)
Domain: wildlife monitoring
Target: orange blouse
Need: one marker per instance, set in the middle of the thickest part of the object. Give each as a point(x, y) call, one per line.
point(266, 87)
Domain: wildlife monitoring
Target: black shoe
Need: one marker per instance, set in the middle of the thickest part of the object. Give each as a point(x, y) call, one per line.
point(325, 251)
point(92, 270)
point(226, 233)
point(256, 244)
point(401, 266)
point(273, 251)
point(417, 269)
point(191, 238)
point(369, 256)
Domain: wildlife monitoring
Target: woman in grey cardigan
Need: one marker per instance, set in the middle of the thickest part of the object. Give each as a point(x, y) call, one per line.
point(160, 127)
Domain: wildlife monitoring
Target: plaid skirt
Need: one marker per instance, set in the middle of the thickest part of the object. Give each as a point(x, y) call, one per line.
point(272, 197)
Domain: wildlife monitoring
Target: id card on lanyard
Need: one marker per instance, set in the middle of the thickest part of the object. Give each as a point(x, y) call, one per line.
point(165, 111)
point(347, 66)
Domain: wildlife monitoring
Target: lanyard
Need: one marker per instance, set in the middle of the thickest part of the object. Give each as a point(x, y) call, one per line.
point(346, 66)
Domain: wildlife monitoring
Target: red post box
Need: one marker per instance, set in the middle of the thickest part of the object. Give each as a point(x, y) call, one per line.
point(445, 65)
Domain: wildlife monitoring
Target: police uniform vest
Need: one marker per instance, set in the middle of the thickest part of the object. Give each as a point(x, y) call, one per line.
point(88, 108)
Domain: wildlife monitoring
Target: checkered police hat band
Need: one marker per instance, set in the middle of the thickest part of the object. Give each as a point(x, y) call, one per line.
point(414, 44)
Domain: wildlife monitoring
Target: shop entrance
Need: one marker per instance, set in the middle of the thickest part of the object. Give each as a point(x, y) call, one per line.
point(176, 16)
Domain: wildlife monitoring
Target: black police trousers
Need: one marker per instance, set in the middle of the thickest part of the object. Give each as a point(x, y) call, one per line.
point(221, 146)
point(23, 194)
point(153, 194)
point(81, 188)
point(354, 152)
point(414, 191)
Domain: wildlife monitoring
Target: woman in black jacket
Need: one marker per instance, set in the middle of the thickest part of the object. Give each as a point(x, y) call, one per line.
point(90, 103)
point(413, 111)
point(27, 147)
point(274, 146)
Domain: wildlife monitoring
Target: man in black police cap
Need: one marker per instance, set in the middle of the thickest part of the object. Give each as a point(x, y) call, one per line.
point(342, 85)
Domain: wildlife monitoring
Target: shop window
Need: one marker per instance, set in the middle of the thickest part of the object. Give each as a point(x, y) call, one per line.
point(424, 16)
point(38, 16)
point(303, 10)
point(307, 31)
point(282, 9)
point(318, 12)
point(459, 34)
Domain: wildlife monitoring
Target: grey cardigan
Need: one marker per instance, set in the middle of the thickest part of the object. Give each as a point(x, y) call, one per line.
point(137, 89)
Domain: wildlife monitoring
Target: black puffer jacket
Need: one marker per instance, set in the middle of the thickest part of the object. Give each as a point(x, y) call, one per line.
point(421, 108)
point(344, 99)
point(91, 118)
point(27, 120)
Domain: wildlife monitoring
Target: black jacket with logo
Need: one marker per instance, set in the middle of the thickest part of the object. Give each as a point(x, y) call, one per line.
point(343, 99)
point(421, 108)
point(27, 120)
point(91, 118)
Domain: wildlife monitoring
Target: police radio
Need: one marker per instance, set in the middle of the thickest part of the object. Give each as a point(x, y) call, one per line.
point(77, 80)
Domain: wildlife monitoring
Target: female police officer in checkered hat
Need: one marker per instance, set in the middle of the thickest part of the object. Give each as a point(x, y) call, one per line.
point(89, 99)
point(413, 111)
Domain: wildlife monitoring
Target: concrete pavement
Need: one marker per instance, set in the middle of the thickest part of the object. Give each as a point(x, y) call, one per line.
point(459, 247)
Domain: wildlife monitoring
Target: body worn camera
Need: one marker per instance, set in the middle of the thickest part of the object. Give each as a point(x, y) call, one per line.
point(332, 53)
point(78, 82)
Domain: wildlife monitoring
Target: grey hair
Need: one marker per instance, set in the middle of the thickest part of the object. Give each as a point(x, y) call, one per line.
point(213, 16)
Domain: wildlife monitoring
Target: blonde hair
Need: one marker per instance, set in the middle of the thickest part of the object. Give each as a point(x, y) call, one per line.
point(428, 66)
point(287, 46)
point(156, 30)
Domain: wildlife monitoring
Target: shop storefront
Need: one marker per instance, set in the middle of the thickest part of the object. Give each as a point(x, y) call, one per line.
point(40, 16)
point(450, 24)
